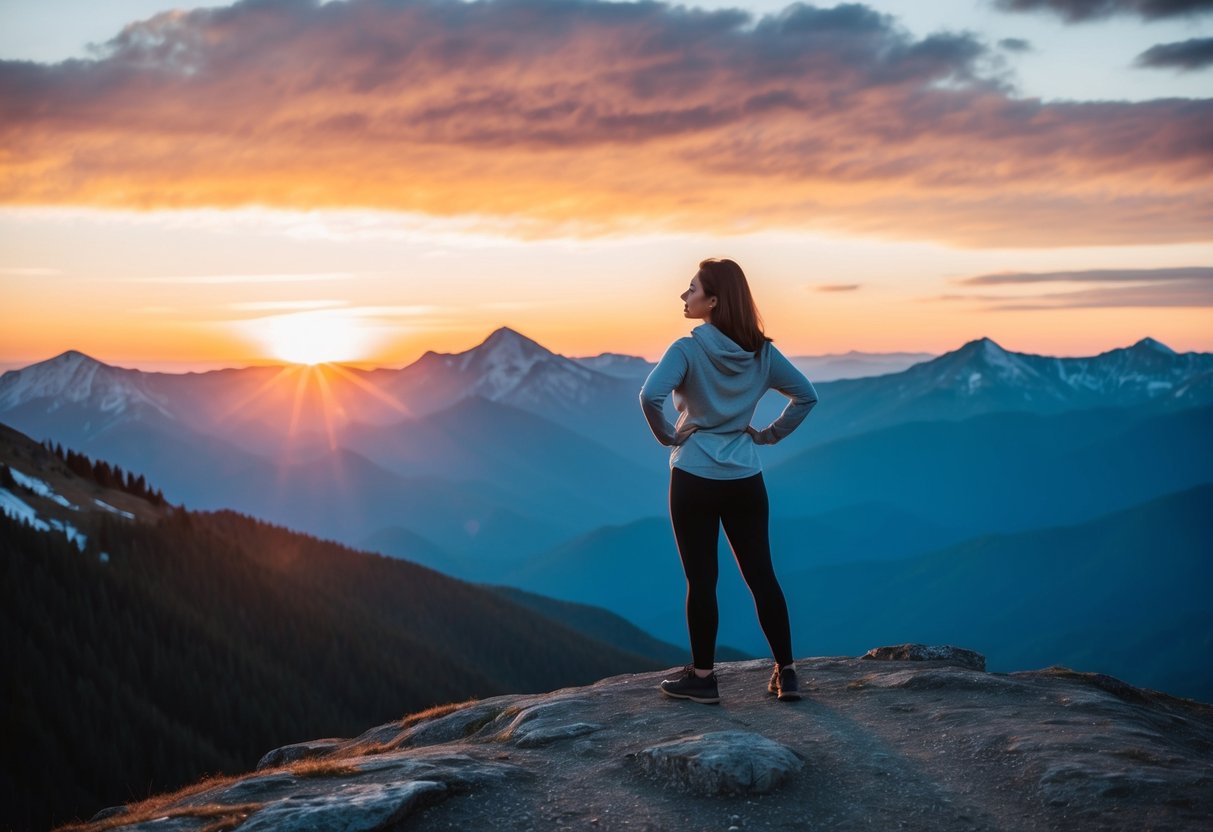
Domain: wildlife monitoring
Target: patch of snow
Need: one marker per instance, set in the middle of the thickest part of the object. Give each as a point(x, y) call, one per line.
point(104, 557)
point(15, 507)
point(998, 358)
point(39, 487)
point(974, 381)
point(113, 510)
point(73, 534)
point(1155, 387)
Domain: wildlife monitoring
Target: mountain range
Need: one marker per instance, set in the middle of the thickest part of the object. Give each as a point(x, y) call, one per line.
point(510, 465)
point(481, 455)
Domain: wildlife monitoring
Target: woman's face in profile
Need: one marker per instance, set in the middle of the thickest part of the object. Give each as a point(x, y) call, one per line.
point(696, 303)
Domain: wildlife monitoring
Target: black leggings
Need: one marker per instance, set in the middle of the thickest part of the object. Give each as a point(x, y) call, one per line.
point(698, 507)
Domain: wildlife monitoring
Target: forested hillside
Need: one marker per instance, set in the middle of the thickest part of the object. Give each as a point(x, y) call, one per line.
point(163, 651)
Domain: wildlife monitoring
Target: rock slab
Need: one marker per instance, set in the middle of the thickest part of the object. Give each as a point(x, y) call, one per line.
point(351, 808)
point(722, 762)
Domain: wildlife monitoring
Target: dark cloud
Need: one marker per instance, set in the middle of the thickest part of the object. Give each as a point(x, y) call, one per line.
point(838, 287)
point(1095, 276)
point(599, 115)
point(1177, 287)
point(1079, 11)
point(1015, 45)
point(1182, 293)
point(1185, 55)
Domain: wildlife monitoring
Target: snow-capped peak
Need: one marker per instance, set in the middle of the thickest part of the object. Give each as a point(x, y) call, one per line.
point(1157, 346)
point(988, 354)
point(504, 338)
point(504, 350)
point(73, 377)
point(984, 346)
point(502, 360)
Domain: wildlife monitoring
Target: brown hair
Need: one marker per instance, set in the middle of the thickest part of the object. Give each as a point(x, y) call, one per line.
point(735, 314)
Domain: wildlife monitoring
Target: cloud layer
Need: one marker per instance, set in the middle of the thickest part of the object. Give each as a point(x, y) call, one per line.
point(1078, 11)
point(1176, 287)
point(587, 117)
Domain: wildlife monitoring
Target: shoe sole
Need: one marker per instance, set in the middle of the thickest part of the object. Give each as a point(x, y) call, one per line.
point(789, 697)
point(703, 699)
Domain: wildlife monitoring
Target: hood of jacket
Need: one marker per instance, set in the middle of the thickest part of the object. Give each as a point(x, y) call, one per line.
point(724, 353)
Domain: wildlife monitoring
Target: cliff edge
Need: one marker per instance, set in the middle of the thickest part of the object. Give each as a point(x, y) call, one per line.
point(907, 737)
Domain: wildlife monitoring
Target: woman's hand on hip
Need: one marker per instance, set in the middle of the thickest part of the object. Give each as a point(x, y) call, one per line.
point(684, 434)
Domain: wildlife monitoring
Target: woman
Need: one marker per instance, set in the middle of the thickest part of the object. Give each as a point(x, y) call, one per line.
point(717, 375)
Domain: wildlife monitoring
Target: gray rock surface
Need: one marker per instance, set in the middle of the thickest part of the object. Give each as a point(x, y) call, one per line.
point(722, 762)
point(931, 744)
point(350, 807)
point(255, 788)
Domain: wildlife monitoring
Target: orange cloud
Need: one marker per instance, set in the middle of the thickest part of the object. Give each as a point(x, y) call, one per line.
point(589, 117)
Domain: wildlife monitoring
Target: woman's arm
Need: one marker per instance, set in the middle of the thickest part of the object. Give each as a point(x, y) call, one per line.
point(668, 374)
point(792, 383)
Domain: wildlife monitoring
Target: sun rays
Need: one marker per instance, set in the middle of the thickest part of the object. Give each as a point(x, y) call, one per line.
point(306, 409)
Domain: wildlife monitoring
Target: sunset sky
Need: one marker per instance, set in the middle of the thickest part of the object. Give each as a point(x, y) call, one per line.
point(221, 185)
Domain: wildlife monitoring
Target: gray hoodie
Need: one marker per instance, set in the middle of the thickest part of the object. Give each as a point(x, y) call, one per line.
point(716, 386)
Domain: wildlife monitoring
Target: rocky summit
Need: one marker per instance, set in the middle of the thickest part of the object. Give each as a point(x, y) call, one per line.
point(909, 737)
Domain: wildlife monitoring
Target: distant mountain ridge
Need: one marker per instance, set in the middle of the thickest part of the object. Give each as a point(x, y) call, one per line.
point(856, 364)
point(504, 450)
point(506, 367)
point(982, 377)
point(1147, 369)
point(593, 396)
point(75, 378)
point(511, 368)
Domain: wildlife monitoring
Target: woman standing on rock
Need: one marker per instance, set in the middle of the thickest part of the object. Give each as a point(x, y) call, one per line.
point(717, 375)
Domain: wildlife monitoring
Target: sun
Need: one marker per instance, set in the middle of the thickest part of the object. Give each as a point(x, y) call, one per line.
point(314, 337)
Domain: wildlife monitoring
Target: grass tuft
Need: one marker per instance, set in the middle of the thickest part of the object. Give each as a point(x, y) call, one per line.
point(320, 767)
point(435, 712)
point(226, 816)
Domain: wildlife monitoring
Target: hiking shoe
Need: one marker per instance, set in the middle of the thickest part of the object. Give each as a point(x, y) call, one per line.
point(689, 686)
point(783, 684)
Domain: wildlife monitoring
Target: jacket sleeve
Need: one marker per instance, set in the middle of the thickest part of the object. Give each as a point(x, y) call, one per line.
point(668, 374)
point(792, 383)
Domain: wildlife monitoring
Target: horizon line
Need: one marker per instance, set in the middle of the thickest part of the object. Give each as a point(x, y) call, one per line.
point(7, 365)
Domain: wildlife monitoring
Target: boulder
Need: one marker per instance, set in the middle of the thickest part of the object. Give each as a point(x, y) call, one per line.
point(958, 656)
point(722, 762)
